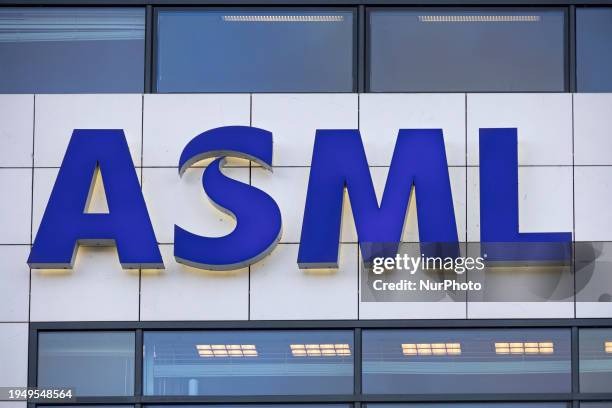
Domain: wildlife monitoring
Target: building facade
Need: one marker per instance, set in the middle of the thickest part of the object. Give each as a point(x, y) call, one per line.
point(264, 331)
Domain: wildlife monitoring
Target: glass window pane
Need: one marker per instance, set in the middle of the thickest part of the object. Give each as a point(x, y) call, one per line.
point(423, 50)
point(248, 363)
point(71, 50)
point(92, 363)
point(597, 404)
point(466, 361)
point(472, 405)
point(256, 406)
point(265, 51)
point(595, 360)
point(593, 50)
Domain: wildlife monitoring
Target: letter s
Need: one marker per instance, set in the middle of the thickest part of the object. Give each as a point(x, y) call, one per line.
point(257, 215)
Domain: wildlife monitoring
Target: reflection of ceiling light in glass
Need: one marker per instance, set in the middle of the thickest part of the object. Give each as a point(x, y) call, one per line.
point(320, 350)
point(479, 19)
point(431, 349)
point(283, 19)
point(608, 347)
point(546, 347)
point(226, 350)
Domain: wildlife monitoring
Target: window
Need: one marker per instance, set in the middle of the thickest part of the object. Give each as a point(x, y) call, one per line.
point(473, 405)
point(92, 363)
point(71, 50)
point(236, 50)
point(596, 404)
point(595, 360)
point(434, 50)
point(466, 361)
point(593, 51)
point(248, 362)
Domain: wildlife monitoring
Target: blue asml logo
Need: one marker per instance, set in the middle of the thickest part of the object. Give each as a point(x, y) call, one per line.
point(338, 163)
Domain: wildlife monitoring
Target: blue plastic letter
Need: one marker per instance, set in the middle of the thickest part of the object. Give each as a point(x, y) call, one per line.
point(258, 217)
point(339, 162)
point(65, 223)
point(499, 210)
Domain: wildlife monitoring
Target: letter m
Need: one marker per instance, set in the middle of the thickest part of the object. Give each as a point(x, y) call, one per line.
point(339, 162)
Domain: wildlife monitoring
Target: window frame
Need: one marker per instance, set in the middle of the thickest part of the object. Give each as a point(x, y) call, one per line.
point(357, 326)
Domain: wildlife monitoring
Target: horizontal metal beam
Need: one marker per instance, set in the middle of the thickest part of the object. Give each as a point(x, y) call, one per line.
point(323, 324)
point(461, 3)
point(347, 399)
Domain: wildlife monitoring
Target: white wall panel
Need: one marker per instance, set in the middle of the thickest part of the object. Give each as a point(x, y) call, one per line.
point(281, 291)
point(593, 129)
point(13, 354)
point(16, 130)
point(172, 199)
point(172, 120)
point(544, 123)
point(430, 305)
point(183, 293)
point(593, 195)
point(521, 310)
point(545, 200)
point(593, 279)
point(58, 115)
point(96, 289)
point(15, 205)
point(382, 115)
point(14, 283)
point(294, 118)
point(593, 310)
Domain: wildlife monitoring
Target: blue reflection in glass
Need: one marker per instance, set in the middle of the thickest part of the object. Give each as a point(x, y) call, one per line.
point(593, 49)
point(595, 360)
point(92, 363)
point(466, 361)
point(266, 51)
point(71, 50)
point(424, 50)
point(248, 362)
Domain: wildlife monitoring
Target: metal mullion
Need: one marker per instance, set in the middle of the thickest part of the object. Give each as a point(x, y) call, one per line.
point(361, 48)
point(154, 28)
point(575, 347)
point(138, 361)
point(357, 359)
point(148, 71)
point(571, 48)
point(32, 356)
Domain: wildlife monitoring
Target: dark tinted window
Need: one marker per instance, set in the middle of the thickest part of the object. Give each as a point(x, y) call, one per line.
point(595, 360)
point(92, 363)
point(593, 49)
point(421, 50)
point(71, 50)
point(248, 362)
point(466, 361)
point(267, 51)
